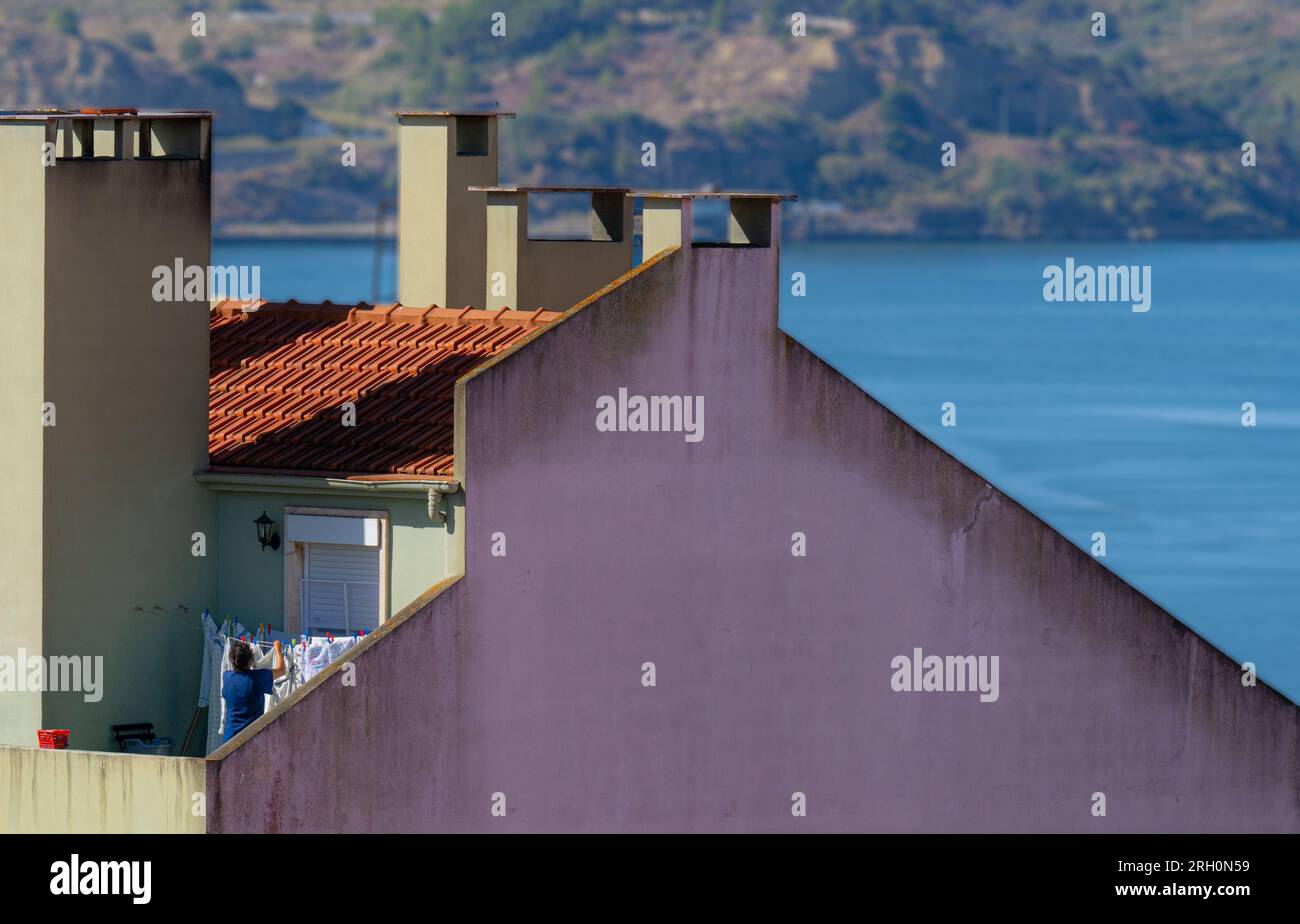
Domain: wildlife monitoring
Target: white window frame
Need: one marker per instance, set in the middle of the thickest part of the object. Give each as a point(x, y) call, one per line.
point(294, 563)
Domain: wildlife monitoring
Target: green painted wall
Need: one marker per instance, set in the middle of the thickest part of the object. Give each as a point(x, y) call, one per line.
point(420, 552)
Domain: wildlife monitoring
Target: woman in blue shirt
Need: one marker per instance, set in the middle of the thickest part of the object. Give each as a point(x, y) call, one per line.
point(244, 687)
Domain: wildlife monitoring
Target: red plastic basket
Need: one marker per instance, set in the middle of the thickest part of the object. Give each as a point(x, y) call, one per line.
point(53, 738)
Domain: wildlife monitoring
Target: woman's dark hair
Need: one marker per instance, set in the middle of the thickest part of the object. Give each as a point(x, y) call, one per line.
point(241, 656)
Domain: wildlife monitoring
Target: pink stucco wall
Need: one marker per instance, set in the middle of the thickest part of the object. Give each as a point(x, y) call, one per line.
point(772, 671)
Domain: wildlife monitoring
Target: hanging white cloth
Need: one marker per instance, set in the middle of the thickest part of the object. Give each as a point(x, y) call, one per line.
point(211, 653)
point(303, 660)
point(318, 653)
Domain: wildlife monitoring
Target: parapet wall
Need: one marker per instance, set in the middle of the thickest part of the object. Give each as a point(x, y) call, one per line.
point(91, 792)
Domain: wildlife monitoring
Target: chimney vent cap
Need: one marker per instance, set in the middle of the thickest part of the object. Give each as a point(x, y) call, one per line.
point(551, 189)
point(491, 113)
point(29, 115)
point(713, 194)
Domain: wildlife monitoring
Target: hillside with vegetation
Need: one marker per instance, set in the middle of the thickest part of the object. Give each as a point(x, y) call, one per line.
point(1058, 134)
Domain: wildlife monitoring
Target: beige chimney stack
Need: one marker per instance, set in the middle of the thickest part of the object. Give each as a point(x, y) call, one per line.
point(526, 273)
point(104, 409)
point(442, 224)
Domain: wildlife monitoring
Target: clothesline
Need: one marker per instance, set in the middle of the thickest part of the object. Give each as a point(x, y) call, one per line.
point(160, 613)
point(293, 639)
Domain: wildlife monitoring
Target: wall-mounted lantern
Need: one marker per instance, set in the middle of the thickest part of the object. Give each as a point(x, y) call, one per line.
point(266, 533)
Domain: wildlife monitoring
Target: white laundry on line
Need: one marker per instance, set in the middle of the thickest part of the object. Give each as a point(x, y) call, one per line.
point(263, 658)
point(319, 653)
point(303, 660)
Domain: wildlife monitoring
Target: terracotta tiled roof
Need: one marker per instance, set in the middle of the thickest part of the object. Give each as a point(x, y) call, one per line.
point(280, 374)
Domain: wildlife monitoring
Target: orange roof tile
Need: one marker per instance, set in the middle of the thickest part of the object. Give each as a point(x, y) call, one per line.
point(281, 372)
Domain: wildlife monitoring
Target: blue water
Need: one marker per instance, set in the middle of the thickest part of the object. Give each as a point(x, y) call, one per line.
point(1093, 416)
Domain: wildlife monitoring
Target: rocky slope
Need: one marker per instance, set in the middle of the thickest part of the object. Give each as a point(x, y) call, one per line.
point(1057, 133)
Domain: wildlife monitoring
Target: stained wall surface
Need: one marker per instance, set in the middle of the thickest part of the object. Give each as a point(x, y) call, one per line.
point(772, 671)
point(90, 792)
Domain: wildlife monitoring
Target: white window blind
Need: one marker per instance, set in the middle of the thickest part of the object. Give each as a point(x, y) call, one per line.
point(340, 588)
point(332, 529)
